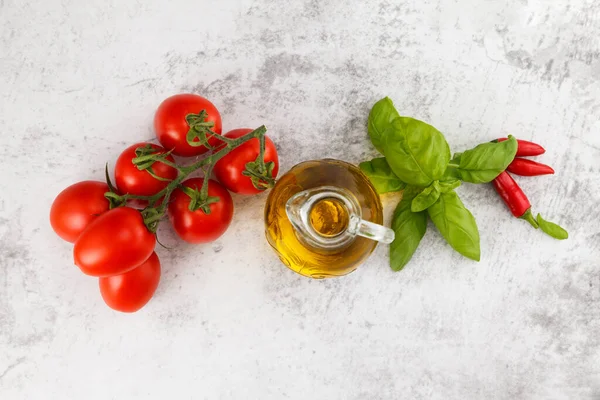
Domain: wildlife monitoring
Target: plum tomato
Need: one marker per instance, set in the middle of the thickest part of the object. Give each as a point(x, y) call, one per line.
point(131, 180)
point(196, 226)
point(76, 206)
point(172, 127)
point(228, 170)
point(114, 243)
point(131, 291)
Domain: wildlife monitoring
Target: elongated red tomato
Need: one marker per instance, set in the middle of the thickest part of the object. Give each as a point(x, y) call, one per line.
point(172, 127)
point(76, 206)
point(131, 291)
point(114, 243)
point(131, 180)
point(229, 169)
point(196, 226)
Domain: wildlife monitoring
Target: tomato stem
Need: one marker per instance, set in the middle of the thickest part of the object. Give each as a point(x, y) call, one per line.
point(202, 130)
point(169, 163)
point(154, 212)
point(214, 157)
point(157, 203)
point(204, 190)
point(261, 156)
point(219, 137)
point(158, 178)
point(259, 172)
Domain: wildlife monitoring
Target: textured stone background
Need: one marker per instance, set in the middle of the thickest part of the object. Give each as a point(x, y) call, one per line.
point(79, 81)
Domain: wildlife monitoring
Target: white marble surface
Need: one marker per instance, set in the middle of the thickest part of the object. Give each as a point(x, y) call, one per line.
point(80, 80)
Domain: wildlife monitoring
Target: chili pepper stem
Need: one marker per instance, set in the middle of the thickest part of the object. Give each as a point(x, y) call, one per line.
point(528, 216)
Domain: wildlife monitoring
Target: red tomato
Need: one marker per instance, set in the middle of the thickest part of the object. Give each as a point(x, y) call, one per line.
point(131, 180)
point(196, 226)
point(76, 206)
point(131, 291)
point(228, 169)
point(114, 243)
point(172, 128)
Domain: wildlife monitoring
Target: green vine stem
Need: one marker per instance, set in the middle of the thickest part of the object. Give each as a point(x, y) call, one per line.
point(259, 172)
point(202, 130)
point(157, 203)
point(207, 174)
point(261, 156)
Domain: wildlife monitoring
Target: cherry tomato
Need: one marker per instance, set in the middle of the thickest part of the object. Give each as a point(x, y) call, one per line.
point(131, 180)
point(131, 291)
point(172, 128)
point(76, 206)
point(196, 226)
point(114, 243)
point(228, 169)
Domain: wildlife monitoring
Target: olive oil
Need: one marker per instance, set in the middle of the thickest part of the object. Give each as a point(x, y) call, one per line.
point(330, 218)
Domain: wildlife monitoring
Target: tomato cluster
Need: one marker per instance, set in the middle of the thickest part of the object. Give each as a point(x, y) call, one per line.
point(113, 228)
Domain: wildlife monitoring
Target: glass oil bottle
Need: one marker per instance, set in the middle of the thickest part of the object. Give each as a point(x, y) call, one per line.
point(323, 218)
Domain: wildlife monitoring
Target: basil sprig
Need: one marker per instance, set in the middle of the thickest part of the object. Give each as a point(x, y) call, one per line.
point(417, 160)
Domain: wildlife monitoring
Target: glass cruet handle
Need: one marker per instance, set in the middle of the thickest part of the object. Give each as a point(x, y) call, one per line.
point(370, 230)
point(299, 206)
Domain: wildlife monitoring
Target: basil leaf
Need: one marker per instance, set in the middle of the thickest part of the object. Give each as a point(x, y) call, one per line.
point(417, 152)
point(449, 185)
point(426, 198)
point(381, 176)
point(486, 161)
point(409, 228)
point(552, 229)
point(380, 118)
point(456, 224)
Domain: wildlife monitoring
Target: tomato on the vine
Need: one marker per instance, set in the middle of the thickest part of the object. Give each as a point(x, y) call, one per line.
point(172, 127)
point(131, 291)
point(76, 206)
point(197, 226)
point(229, 169)
point(131, 180)
point(114, 243)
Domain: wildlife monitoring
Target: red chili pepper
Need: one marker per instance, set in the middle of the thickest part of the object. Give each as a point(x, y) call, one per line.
point(526, 148)
point(514, 198)
point(524, 167)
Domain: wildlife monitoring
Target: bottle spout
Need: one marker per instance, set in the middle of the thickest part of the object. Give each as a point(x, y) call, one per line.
point(330, 217)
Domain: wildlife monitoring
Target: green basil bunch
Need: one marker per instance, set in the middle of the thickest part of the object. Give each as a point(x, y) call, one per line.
point(417, 160)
